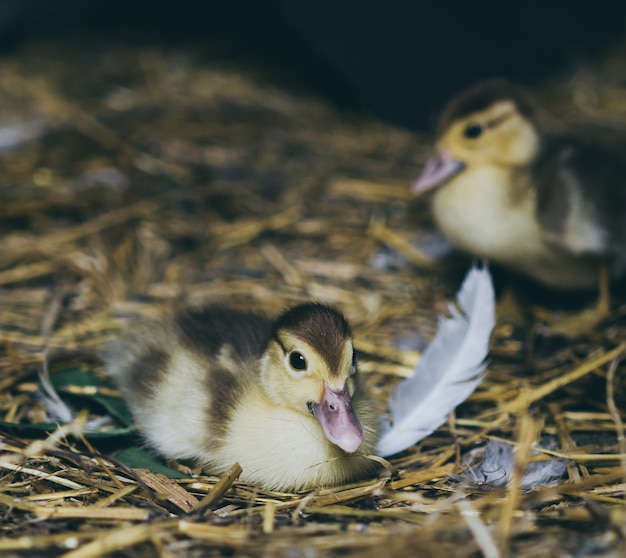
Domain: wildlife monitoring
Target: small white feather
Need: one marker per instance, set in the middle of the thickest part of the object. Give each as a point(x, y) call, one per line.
point(56, 409)
point(492, 466)
point(450, 368)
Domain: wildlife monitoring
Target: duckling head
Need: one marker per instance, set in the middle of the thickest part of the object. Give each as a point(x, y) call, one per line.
point(310, 367)
point(493, 123)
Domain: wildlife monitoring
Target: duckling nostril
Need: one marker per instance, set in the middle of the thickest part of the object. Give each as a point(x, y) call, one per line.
point(337, 418)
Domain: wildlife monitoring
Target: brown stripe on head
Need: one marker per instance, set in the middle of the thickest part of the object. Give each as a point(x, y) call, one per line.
point(323, 328)
point(483, 95)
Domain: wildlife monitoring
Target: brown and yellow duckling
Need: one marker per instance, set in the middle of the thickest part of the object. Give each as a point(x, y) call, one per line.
point(547, 205)
point(281, 397)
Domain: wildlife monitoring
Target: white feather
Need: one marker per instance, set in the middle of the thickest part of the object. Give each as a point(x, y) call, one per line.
point(56, 408)
point(450, 368)
point(492, 466)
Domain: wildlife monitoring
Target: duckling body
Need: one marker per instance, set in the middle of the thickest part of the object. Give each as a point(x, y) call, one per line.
point(281, 397)
point(546, 205)
point(496, 224)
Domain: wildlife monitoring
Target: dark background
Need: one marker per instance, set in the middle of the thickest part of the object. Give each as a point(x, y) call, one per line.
point(402, 60)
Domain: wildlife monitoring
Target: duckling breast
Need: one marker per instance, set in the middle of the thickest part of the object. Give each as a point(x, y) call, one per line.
point(281, 449)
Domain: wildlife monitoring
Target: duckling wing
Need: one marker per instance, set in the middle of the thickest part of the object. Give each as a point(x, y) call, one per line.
point(182, 378)
point(581, 198)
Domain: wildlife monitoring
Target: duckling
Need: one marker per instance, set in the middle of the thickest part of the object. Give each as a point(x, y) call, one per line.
point(509, 190)
point(281, 397)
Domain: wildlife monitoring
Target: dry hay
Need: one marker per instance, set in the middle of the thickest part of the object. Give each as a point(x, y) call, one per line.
point(153, 178)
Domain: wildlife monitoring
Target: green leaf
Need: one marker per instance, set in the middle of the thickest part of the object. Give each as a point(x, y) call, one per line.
point(140, 458)
point(79, 377)
point(27, 427)
point(35, 429)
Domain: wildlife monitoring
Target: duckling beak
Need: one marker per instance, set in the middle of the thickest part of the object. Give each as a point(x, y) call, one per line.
point(337, 419)
point(439, 168)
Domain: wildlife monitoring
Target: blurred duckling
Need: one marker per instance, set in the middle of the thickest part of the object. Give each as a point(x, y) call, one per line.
point(549, 206)
point(282, 398)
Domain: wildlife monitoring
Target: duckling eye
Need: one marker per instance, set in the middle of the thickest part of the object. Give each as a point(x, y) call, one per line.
point(297, 361)
point(473, 131)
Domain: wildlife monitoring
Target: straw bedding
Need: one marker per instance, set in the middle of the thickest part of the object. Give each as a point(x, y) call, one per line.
point(137, 179)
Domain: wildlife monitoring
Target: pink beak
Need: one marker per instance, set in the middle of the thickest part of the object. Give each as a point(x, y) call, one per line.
point(439, 168)
point(337, 419)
